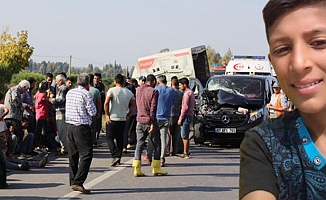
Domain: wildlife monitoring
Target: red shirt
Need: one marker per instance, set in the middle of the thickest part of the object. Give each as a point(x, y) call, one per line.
point(146, 101)
point(41, 106)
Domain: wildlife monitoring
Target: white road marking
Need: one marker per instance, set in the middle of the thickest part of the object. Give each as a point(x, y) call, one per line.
point(97, 180)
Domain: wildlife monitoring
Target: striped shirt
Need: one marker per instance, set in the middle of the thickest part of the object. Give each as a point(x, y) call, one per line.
point(79, 107)
point(188, 104)
point(146, 100)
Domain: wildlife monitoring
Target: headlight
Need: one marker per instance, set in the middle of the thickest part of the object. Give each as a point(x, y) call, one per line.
point(256, 115)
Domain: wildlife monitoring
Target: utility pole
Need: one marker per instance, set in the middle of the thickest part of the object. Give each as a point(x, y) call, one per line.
point(127, 74)
point(69, 70)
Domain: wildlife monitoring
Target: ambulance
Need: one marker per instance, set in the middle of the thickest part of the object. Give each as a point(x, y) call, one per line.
point(250, 65)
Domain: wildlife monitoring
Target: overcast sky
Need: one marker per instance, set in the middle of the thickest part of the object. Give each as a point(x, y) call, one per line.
point(105, 31)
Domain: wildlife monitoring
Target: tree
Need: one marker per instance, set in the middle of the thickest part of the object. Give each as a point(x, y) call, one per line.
point(5, 76)
point(211, 56)
point(164, 50)
point(15, 51)
point(24, 75)
point(227, 57)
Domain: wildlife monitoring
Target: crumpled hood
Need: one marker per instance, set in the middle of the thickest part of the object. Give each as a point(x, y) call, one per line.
point(224, 97)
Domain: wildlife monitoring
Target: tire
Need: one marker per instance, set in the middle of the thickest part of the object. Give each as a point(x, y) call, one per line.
point(197, 134)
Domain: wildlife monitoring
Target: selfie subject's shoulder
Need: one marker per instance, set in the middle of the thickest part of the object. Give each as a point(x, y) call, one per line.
point(281, 129)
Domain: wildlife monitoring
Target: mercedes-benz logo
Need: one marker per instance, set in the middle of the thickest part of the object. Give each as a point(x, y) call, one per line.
point(225, 119)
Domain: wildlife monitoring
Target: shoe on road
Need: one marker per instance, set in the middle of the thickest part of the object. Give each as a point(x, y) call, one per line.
point(115, 161)
point(184, 155)
point(25, 166)
point(80, 188)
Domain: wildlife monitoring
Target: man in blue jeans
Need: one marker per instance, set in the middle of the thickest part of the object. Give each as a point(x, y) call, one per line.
point(164, 107)
point(187, 113)
point(146, 100)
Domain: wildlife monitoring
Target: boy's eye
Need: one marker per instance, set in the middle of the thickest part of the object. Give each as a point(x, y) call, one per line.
point(281, 51)
point(319, 44)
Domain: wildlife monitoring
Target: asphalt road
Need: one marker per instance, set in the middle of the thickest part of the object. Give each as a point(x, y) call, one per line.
point(211, 173)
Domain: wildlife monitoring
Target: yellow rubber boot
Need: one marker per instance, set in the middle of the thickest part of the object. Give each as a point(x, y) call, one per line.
point(156, 164)
point(137, 168)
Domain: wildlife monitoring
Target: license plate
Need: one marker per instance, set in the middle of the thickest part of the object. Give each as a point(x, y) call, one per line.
point(225, 130)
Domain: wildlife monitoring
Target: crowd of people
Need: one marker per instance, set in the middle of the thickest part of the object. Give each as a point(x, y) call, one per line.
point(68, 121)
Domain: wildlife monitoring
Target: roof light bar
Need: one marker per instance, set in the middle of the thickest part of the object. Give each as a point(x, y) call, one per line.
point(248, 57)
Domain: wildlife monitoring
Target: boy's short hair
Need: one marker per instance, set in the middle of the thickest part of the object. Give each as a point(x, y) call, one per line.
point(71, 79)
point(91, 79)
point(49, 75)
point(98, 75)
point(31, 80)
point(162, 79)
point(133, 81)
point(142, 78)
point(276, 8)
point(120, 79)
point(1, 96)
point(184, 81)
point(175, 81)
point(150, 78)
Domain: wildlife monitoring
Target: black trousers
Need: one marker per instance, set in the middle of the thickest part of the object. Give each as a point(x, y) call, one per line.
point(114, 131)
point(18, 129)
point(80, 151)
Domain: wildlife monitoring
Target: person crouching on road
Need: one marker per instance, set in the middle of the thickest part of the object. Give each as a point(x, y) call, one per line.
point(146, 100)
point(80, 109)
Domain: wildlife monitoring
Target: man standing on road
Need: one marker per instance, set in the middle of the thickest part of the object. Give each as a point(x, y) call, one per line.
point(80, 109)
point(98, 104)
point(13, 101)
point(164, 105)
point(117, 112)
point(98, 84)
point(174, 139)
point(187, 112)
point(59, 103)
point(146, 100)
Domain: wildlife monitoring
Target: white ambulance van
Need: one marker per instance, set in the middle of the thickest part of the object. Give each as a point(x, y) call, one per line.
point(250, 65)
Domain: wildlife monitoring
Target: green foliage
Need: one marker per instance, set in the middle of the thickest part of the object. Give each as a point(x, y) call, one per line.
point(109, 70)
point(212, 56)
point(14, 55)
point(16, 78)
point(108, 83)
point(5, 76)
point(164, 50)
point(15, 51)
point(228, 55)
